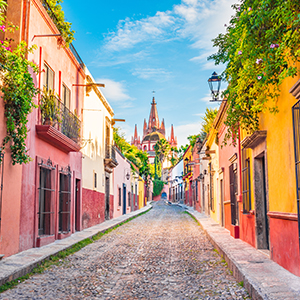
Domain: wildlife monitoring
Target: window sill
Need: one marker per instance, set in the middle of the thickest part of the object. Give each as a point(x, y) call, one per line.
point(62, 235)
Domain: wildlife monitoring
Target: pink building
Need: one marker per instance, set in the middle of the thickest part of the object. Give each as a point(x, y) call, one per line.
point(122, 186)
point(47, 191)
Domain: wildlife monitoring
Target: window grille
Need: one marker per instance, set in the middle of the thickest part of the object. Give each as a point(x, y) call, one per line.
point(120, 196)
point(46, 210)
point(296, 127)
point(246, 181)
point(64, 202)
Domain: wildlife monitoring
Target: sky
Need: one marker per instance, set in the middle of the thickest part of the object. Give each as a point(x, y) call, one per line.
point(136, 47)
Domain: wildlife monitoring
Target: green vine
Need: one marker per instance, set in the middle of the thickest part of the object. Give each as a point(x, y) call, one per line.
point(58, 17)
point(18, 91)
point(260, 49)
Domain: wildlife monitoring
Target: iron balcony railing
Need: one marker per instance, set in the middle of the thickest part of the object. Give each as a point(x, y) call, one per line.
point(61, 118)
point(110, 153)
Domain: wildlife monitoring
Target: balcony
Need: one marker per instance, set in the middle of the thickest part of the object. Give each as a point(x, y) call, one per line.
point(110, 161)
point(59, 126)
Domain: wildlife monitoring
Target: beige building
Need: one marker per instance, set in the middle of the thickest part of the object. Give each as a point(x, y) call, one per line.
point(98, 155)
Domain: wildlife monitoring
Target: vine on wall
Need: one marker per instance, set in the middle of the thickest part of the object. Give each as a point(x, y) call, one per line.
point(18, 91)
point(260, 49)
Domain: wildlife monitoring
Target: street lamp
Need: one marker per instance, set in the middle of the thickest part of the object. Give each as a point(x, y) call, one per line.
point(214, 83)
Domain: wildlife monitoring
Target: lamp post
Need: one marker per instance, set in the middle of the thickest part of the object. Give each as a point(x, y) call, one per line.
point(214, 83)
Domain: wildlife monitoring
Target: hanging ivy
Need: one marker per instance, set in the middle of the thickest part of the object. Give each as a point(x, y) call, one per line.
point(260, 49)
point(18, 91)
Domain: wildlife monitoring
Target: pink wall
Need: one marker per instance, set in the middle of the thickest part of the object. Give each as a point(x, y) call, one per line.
point(119, 178)
point(67, 71)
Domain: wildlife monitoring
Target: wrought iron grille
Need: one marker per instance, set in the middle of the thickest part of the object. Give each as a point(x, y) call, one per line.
point(64, 202)
point(46, 209)
point(63, 120)
point(246, 181)
point(110, 153)
point(296, 128)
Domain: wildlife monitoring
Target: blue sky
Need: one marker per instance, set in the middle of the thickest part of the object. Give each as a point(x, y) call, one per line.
point(136, 47)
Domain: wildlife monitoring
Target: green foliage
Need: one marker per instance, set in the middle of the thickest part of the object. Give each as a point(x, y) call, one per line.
point(49, 107)
point(192, 139)
point(162, 149)
point(158, 186)
point(132, 153)
point(59, 19)
point(18, 92)
point(208, 119)
point(260, 49)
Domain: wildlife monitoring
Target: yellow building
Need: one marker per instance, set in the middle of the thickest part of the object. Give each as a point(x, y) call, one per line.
point(188, 175)
point(273, 154)
point(141, 192)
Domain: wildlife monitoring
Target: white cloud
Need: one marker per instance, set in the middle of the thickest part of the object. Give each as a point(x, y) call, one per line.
point(130, 33)
point(151, 73)
point(183, 131)
point(198, 21)
point(116, 93)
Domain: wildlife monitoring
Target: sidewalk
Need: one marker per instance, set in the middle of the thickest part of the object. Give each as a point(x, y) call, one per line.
point(262, 277)
point(24, 262)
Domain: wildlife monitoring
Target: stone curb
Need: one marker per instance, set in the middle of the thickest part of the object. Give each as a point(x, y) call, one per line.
point(262, 277)
point(22, 263)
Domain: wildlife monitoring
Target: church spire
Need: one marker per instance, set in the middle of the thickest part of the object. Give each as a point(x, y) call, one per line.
point(172, 140)
point(135, 139)
point(153, 124)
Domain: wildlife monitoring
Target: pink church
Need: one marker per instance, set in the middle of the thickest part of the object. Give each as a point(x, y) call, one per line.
point(152, 132)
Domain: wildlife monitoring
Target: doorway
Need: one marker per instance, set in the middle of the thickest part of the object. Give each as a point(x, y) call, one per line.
point(233, 194)
point(107, 184)
point(77, 205)
point(124, 198)
point(222, 201)
point(261, 220)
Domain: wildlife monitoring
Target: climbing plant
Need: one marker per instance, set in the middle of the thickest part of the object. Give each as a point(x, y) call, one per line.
point(18, 91)
point(260, 49)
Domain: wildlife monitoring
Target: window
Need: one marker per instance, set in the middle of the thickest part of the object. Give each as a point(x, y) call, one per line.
point(64, 202)
point(246, 181)
point(120, 196)
point(46, 210)
point(95, 180)
point(128, 199)
point(136, 194)
point(66, 96)
point(48, 78)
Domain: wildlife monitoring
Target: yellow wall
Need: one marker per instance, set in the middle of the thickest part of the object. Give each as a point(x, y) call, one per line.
point(211, 143)
point(141, 192)
point(280, 152)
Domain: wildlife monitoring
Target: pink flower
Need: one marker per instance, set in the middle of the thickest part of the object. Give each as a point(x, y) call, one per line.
point(258, 61)
point(240, 52)
point(239, 8)
point(274, 46)
point(259, 77)
point(249, 9)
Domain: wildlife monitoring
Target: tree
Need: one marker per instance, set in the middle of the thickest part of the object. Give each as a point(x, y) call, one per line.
point(259, 49)
point(208, 120)
point(162, 149)
point(132, 153)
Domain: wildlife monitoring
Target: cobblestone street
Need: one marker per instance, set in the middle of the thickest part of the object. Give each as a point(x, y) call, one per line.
point(162, 254)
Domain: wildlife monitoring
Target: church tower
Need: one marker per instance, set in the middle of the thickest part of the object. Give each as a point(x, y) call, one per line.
point(152, 132)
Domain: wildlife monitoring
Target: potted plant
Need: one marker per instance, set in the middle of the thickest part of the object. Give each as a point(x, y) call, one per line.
point(49, 108)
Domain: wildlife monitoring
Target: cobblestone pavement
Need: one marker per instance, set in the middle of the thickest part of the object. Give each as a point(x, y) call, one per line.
point(160, 255)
